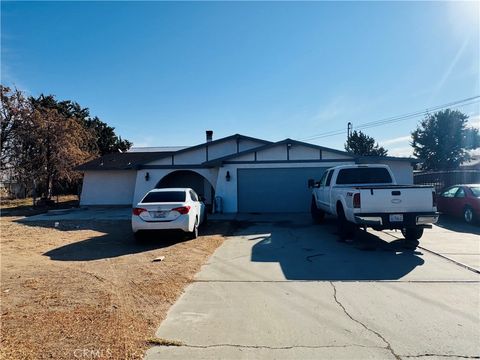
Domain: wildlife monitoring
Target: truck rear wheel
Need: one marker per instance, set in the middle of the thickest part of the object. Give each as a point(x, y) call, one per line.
point(345, 229)
point(411, 236)
point(317, 214)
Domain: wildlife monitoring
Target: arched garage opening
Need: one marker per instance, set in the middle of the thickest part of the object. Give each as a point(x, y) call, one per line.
point(189, 179)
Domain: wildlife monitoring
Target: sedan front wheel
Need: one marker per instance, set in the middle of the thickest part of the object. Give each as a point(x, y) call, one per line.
point(468, 215)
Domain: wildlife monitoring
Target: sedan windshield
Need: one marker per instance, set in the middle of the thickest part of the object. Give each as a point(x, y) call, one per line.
point(476, 191)
point(164, 196)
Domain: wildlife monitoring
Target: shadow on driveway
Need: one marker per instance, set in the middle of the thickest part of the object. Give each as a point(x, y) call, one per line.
point(312, 252)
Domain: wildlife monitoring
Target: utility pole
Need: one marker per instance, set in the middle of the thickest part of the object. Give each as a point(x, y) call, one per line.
point(349, 130)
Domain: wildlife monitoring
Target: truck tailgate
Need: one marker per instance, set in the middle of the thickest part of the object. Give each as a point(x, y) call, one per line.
point(396, 199)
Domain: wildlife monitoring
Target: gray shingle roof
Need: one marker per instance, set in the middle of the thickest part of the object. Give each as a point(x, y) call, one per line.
point(122, 161)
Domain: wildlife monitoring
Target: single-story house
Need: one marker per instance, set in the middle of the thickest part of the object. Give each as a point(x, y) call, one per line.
point(246, 173)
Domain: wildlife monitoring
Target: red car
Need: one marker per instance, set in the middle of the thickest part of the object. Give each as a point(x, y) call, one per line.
point(462, 201)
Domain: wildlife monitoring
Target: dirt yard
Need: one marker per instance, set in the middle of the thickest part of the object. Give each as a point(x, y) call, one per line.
point(89, 291)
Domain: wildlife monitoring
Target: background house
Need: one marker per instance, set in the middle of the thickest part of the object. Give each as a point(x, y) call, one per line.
point(249, 174)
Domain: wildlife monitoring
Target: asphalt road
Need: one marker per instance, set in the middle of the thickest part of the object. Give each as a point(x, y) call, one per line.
point(283, 288)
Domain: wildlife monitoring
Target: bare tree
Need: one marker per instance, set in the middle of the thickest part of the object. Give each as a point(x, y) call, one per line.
point(51, 146)
point(14, 109)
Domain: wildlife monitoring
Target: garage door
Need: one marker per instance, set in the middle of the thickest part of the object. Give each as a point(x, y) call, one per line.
point(275, 190)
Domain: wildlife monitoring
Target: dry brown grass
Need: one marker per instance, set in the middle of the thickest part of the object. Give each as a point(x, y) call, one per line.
point(164, 342)
point(24, 207)
point(6, 203)
point(89, 289)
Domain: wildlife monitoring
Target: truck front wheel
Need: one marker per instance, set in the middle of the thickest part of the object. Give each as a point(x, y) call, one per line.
point(317, 214)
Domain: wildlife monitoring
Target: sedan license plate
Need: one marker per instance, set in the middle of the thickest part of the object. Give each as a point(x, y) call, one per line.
point(396, 217)
point(159, 214)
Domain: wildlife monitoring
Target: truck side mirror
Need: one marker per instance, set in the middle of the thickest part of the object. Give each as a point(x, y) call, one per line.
point(311, 183)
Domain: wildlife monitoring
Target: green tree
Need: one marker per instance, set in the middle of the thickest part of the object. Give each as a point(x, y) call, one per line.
point(442, 139)
point(364, 145)
point(106, 140)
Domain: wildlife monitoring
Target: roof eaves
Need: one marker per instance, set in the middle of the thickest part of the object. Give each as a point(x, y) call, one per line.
point(320, 147)
point(390, 158)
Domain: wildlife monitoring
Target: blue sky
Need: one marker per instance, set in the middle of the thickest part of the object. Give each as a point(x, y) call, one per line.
point(162, 73)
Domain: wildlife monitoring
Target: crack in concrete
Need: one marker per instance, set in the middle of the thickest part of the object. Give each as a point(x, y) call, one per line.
point(388, 347)
point(441, 255)
point(309, 258)
point(442, 355)
point(281, 347)
point(451, 260)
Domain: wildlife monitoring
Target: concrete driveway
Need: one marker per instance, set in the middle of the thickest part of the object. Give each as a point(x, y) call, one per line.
point(285, 288)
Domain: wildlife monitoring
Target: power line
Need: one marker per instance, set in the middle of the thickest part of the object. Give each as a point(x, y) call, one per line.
point(389, 120)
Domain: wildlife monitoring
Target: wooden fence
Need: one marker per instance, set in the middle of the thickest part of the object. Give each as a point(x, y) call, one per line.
point(443, 179)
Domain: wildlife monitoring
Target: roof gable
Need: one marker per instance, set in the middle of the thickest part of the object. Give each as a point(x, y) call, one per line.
point(208, 151)
point(316, 152)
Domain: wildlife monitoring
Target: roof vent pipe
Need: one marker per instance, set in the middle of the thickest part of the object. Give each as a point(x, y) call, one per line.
point(209, 134)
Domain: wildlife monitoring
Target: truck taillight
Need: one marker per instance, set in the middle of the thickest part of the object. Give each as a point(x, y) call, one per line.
point(182, 210)
point(434, 199)
point(138, 211)
point(356, 201)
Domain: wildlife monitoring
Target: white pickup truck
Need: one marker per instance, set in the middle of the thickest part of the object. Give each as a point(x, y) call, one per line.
point(368, 196)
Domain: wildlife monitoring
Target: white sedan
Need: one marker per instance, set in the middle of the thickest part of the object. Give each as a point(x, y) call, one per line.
point(172, 208)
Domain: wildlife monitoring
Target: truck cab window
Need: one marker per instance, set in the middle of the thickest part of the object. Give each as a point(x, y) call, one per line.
point(323, 179)
point(329, 178)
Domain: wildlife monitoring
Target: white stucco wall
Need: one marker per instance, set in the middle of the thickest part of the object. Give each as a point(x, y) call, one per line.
point(222, 149)
point(304, 153)
point(113, 187)
point(327, 155)
point(196, 156)
point(402, 170)
point(274, 153)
